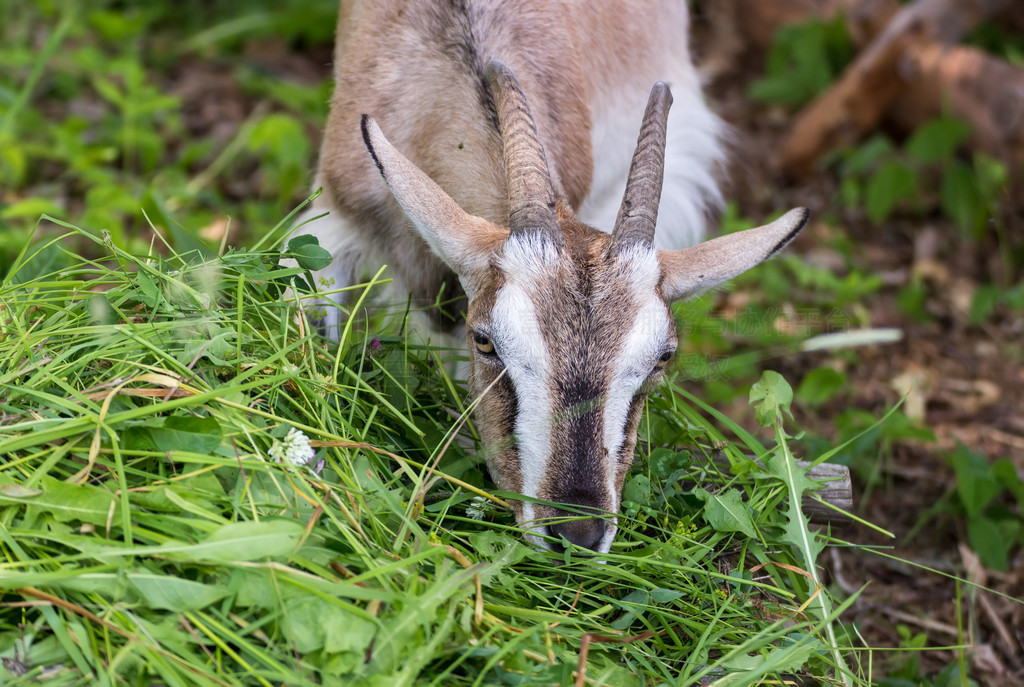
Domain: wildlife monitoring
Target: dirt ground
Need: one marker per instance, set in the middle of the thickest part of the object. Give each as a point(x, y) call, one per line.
point(968, 387)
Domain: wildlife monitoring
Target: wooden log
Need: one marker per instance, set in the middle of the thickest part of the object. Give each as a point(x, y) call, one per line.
point(985, 92)
point(982, 90)
point(865, 92)
point(853, 106)
point(759, 20)
point(837, 490)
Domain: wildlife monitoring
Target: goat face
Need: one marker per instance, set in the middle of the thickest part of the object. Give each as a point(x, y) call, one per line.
point(568, 328)
point(565, 348)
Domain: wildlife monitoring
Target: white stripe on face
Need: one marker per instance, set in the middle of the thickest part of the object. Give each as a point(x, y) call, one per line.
point(641, 348)
point(529, 265)
point(526, 261)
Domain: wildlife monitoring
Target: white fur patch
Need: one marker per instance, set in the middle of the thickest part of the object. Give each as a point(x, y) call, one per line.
point(641, 348)
point(515, 330)
point(693, 153)
point(528, 264)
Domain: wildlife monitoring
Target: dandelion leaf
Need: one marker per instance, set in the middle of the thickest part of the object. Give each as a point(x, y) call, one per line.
point(771, 395)
point(726, 511)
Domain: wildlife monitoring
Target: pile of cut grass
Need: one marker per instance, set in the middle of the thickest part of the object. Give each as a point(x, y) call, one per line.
point(160, 526)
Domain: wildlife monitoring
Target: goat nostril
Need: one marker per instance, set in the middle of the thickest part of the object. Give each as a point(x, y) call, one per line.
point(585, 533)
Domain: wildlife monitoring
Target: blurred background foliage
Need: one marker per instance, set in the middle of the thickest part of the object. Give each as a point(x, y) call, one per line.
point(200, 121)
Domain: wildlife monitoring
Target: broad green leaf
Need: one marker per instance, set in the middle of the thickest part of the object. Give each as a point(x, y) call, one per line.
point(637, 596)
point(30, 208)
point(867, 155)
point(975, 482)
point(664, 596)
point(961, 200)
point(187, 433)
point(174, 593)
point(397, 634)
point(820, 385)
point(990, 175)
point(937, 139)
point(892, 183)
point(726, 512)
point(637, 489)
point(149, 289)
point(985, 299)
point(241, 541)
point(1014, 296)
point(215, 345)
point(302, 240)
point(311, 257)
point(989, 542)
point(312, 624)
point(502, 550)
point(1005, 474)
point(664, 461)
point(632, 603)
point(17, 491)
point(113, 586)
point(178, 498)
point(65, 502)
point(281, 136)
point(803, 61)
point(792, 656)
point(744, 663)
point(770, 396)
point(783, 467)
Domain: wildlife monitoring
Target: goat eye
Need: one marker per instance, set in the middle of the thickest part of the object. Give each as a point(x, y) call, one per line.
point(483, 343)
point(664, 359)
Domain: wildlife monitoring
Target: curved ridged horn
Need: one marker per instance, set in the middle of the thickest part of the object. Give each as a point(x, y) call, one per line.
point(639, 211)
point(531, 197)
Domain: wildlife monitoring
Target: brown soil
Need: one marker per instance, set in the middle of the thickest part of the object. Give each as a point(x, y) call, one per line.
point(968, 386)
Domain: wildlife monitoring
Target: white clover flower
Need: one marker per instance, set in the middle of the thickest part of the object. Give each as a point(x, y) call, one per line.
point(478, 508)
point(294, 450)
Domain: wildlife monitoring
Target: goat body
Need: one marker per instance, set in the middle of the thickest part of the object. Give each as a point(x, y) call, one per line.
point(508, 133)
point(586, 69)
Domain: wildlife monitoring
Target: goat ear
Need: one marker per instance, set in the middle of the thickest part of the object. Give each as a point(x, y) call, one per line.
point(692, 271)
point(465, 242)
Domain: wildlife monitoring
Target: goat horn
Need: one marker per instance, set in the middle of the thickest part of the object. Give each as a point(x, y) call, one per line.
point(530, 193)
point(639, 211)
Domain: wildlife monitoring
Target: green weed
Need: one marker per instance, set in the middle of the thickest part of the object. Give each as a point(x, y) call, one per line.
point(196, 490)
point(804, 60)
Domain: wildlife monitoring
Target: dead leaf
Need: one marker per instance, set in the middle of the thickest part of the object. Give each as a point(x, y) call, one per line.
point(214, 231)
point(984, 658)
point(914, 384)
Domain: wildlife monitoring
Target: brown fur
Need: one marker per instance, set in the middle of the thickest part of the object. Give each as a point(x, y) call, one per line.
point(417, 71)
point(418, 68)
point(581, 312)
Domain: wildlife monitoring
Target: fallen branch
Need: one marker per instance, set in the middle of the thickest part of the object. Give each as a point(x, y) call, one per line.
point(903, 65)
point(823, 506)
point(985, 92)
point(851, 107)
point(758, 20)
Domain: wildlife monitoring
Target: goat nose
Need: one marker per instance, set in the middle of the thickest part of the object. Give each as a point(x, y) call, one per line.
point(586, 533)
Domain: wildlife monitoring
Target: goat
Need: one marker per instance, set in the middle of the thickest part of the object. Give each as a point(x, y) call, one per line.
point(569, 328)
